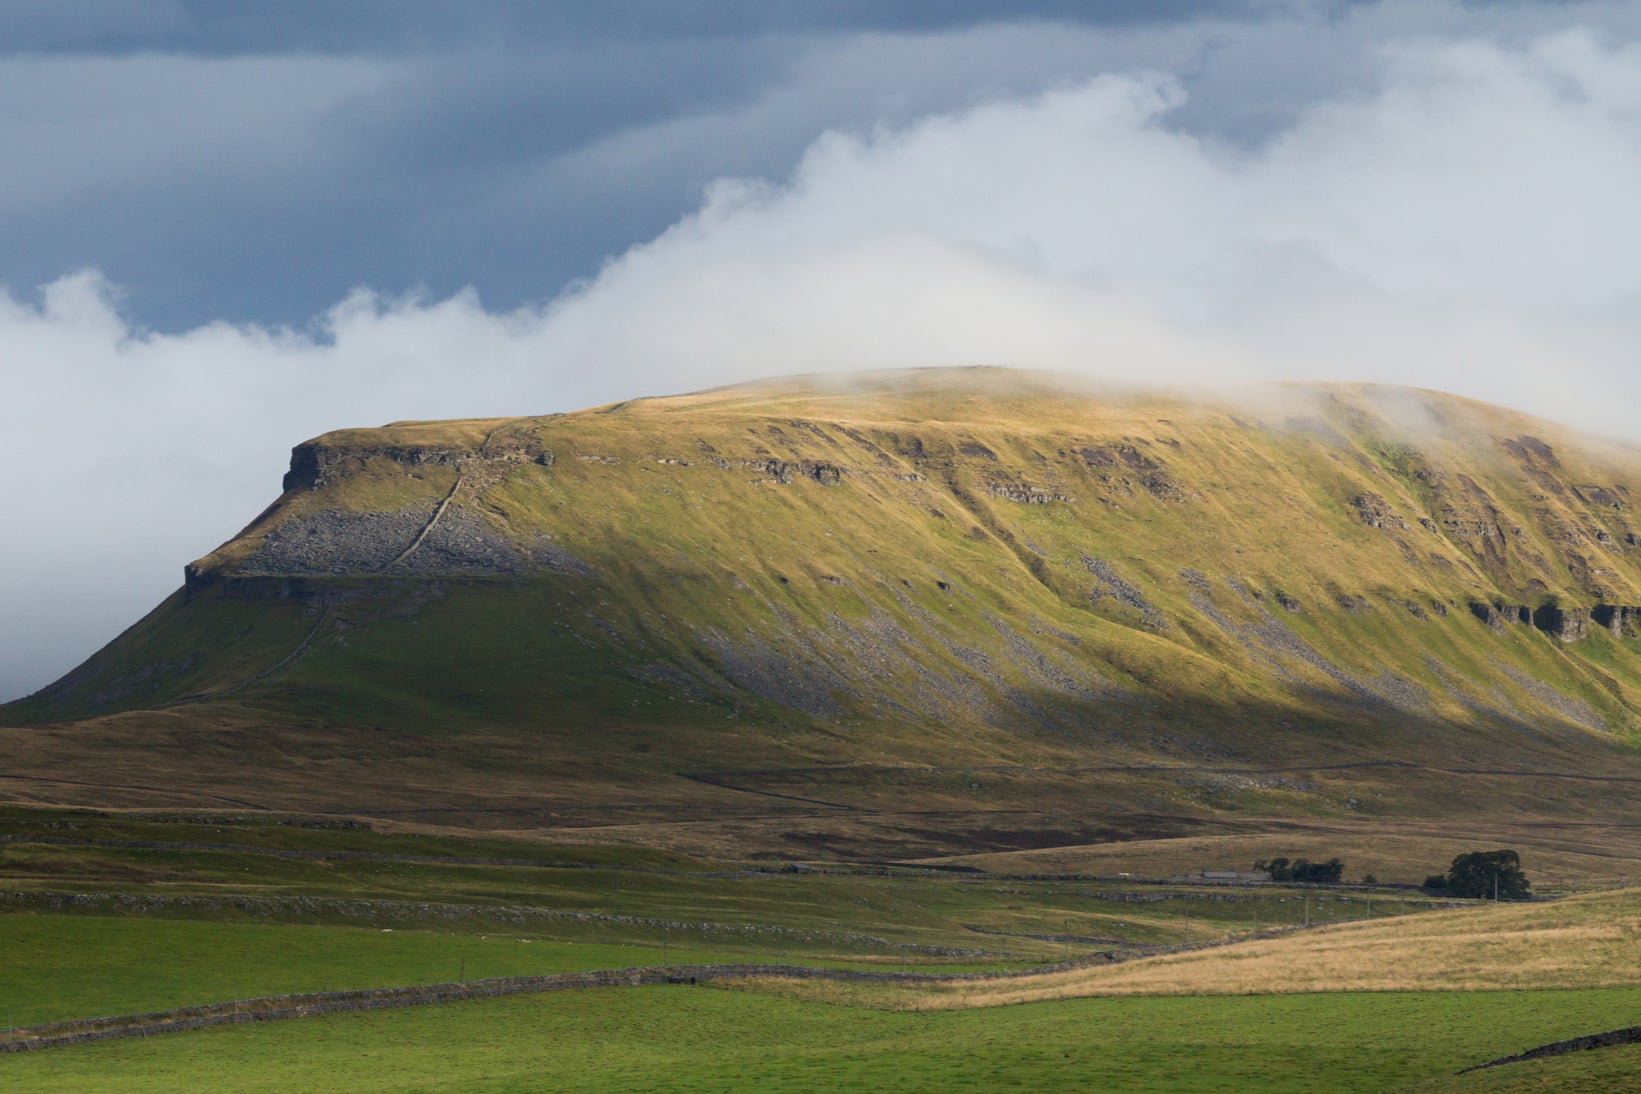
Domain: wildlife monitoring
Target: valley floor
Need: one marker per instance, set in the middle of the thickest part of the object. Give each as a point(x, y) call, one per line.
point(1213, 987)
point(699, 1039)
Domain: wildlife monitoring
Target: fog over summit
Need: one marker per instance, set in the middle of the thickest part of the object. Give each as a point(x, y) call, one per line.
point(1427, 194)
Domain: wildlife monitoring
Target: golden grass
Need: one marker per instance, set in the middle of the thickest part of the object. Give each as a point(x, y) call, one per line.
point(1557, 855)
point(1591, 941)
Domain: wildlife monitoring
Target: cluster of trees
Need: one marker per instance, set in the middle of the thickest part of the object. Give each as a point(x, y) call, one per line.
point(1300, 869)
point(1484, 874)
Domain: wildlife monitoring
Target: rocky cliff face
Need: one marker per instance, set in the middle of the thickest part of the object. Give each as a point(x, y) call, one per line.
point(444, 536)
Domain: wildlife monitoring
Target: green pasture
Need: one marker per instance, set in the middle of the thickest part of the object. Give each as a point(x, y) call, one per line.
point(58, 968)
point(1604, 1071)
point(701, 1039)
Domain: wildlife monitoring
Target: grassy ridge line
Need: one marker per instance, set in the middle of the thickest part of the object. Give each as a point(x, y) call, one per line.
point(321, 833)
point(366, 856)
point(374, 911)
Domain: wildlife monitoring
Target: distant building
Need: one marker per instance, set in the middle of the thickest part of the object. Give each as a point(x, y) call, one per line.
point(1229, 877)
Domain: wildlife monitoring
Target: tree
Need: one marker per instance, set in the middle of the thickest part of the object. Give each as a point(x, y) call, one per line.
point(1488, 873)
point(1331, 870)
point(1278, 868)
point(1281, 869)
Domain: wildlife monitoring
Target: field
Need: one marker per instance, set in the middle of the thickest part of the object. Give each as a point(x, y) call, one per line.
point(1565, 856)
point(123, 914)
point(236, 869)
point(700, 1039)
point(1576, 943)
point(60, 968)
point(1611, 1071)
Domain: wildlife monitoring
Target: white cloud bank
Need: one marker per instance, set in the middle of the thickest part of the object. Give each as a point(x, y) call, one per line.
point(1467, 223)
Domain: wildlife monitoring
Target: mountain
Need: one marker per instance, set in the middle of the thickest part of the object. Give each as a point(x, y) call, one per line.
point(897, 614)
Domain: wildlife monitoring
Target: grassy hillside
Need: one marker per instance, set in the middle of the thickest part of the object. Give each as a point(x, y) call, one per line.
point(1030, 614)
point(1589, 941)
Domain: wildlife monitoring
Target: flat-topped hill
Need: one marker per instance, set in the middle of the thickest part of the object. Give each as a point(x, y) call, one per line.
point(962, 591)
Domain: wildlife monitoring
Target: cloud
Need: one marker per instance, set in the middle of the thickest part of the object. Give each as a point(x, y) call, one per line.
point(322, 26)
point(253, 165)
point(1462, 221)
point(1463, 224)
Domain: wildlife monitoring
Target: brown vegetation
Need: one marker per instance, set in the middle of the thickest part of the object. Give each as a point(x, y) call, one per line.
point(1588, 941)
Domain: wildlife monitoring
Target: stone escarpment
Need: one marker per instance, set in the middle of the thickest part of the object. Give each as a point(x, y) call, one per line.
point(447, 536)
point(314, 464)
point(320, 462)
point(462, 533)
point(407, 542)
point(1555, 549)
point(1570, 624)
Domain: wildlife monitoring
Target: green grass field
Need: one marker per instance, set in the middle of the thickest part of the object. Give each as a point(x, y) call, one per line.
point(704, 1038)
point(700, 1039)
point(299, 938)
point(1608, 1071)
point(59, 968)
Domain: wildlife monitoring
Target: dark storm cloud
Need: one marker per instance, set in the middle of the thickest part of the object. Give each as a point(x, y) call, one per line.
point(254, 162)
point(263, 187)
point(373, 25)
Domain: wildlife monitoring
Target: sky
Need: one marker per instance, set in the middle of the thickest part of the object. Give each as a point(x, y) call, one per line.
point(226, 228)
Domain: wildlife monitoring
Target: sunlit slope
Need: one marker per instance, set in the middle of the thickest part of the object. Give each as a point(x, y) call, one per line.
point(947, 566)
point(1588, 941)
